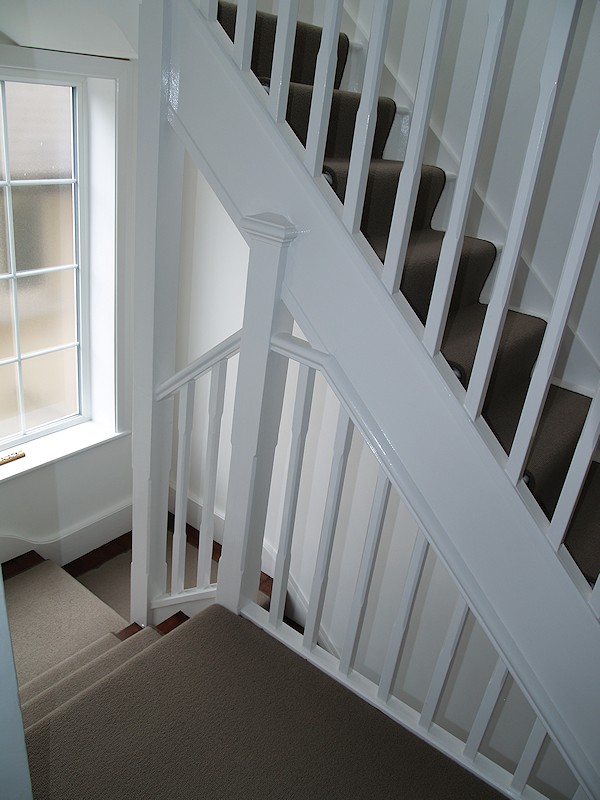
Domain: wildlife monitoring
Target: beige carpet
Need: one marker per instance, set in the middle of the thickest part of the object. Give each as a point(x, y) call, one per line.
point(218, 709)
point(52, 617)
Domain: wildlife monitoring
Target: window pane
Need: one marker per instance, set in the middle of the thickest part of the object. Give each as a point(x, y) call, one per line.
point(47, 314)
point(9, 401)
point(39, 130)
point(4, 262)
point(7, 341)
point(43, 226)
point(50, 387)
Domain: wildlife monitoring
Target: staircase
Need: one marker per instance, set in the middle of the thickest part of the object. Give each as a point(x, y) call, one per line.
point(453, 396)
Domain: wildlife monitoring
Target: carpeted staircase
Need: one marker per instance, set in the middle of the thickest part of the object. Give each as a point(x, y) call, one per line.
point(565, 411)
point(215, 709)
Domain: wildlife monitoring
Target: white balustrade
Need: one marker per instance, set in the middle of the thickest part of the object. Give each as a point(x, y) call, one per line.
point(485, 711)
point(186, 417)
point(320, 107)
point(410, 177)
point(366, 118)
point(208, 8)
point(530, 754)
point(283, 54)
point(243, 41)
point(565, 19)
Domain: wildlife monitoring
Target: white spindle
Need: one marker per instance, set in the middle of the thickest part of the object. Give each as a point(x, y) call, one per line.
point(396, 643)
point(535, 742)
point(245, 22)
point(578, 468)
point(581, 794)
point(559, 41)
point(300, 420)
point(283, 54)
point(216, 402)
point(184, 447)
point(443, 664)
point(320, 107)
point(366, 118)
point(544, 367)
point(499, 13)
point(410, 177)
point(365, 574)
point(595, 598)
point(208, 8)
point(341, 449)
point(485, 710)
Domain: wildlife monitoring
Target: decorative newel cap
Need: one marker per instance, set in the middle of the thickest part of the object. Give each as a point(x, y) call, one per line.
point(271, 227)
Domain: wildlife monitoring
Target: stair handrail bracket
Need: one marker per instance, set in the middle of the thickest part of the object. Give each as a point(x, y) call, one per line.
point(504, 565)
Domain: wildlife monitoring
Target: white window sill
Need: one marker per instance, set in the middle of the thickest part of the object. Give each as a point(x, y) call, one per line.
point(54, 447)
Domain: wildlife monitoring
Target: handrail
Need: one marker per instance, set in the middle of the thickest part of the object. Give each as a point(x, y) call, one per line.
point(200, 366)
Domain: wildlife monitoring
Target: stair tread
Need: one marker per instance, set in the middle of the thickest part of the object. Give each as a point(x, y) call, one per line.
point(45, 608)
point(220, 681)
point(42, 682)
point(85, 676)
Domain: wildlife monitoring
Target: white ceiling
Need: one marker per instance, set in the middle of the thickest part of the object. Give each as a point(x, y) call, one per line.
point(96, 27)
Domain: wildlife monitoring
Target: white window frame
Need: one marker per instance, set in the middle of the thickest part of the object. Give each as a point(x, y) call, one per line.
point(105, 94)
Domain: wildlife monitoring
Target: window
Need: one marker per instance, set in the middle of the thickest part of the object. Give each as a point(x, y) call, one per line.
point(40, 322)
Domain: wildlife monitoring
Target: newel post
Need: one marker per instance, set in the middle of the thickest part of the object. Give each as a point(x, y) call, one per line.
point(257, 411)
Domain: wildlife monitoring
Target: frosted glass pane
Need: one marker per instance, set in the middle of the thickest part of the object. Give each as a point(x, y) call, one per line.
point(39, 130)
point(4, 262)
point(47, 314)
point(7, 342)
point(9, 402)
point(43, 226)
point(50, 387)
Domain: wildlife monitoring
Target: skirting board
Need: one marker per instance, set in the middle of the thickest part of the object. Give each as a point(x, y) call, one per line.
point(72, 544)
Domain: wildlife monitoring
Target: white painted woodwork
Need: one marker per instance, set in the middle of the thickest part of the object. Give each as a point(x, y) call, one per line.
point(218, 378)
point(243, 41)
point(409, 593)
point(320, 107)
point(586, 447)
point(159, 164)
point(444, 663)
point(410, 177)
point(283, 53)
point(209, 8)
point(365, 575)
point(301, 417)
point(366, 118)
point(259, 396)
point(553, 335)
point(341, 449)
point(581, 794)
point(485, 710)
point(565, 18)
point(14, 766)
point(530, 753)
point(437, 315)
point(185, 421)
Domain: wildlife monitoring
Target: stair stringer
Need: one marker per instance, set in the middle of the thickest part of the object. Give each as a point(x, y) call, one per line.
point(476, 521)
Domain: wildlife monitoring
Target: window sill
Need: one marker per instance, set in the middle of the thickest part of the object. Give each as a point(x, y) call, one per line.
point(56, 446)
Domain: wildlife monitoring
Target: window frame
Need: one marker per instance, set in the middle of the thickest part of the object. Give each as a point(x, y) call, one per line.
point(105, 338)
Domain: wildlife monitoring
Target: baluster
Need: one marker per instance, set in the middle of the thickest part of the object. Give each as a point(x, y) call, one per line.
point(218, 378)
point(366, 118)
point(396, 643)
point(544, 367)
point(341, 449)
point(443, 664)
point(578, 468)
point(410, 177)
point(320, 106)
point(452, 244)
point(208, 8)
point(184, 448)
point(563, 27)
point(485, 710)
point(581, 794)
point(302, 407)
point(535, 742)
point(283, 54)
point(245, 22)
point(365, 574)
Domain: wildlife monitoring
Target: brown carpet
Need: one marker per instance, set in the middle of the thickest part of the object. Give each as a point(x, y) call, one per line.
point(218, 709)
